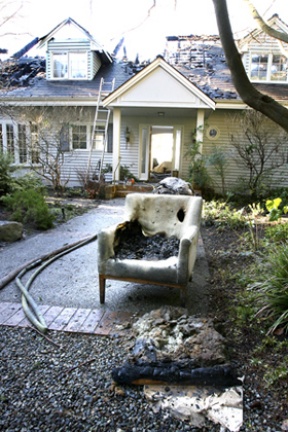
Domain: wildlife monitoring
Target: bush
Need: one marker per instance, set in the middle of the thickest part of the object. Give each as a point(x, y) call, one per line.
point(125, 173)
point(221, 214)
point(29, 206)
point(6, 179)
point(278, 233)
point(272, 289)
point(28, 181)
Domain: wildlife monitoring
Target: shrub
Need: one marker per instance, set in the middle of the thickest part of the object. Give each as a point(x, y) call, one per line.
point(221, 214)
point(278, 233)
point(29, 181)
point(125, 173)
point(6, 179)
point(272, 289)
point(29, 206)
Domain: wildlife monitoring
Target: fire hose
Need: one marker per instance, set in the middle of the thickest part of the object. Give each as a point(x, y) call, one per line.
point(29, 305)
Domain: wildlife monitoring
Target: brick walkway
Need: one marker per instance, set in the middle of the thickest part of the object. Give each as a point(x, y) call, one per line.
point(90, 321)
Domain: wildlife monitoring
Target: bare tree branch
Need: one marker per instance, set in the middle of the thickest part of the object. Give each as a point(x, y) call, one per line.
point(9, 9)
point(263, 25)
point(248, 93)
point(143, 21)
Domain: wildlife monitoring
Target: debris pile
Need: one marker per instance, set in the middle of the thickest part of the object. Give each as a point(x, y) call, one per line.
point(21, 73)
point(173, 186)
point(180, 359)
point(130, 243)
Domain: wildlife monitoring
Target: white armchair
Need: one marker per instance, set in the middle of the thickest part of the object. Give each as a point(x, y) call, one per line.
point(174, 215)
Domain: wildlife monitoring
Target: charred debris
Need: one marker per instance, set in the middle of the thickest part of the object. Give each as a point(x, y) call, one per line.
point(199, 58)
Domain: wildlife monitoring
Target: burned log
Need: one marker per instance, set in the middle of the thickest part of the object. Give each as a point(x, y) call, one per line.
point(175, 373)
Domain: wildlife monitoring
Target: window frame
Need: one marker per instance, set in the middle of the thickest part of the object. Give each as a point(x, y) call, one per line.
point(270, 63)
point(69, 74)
point(15, 138)
point(99, 136)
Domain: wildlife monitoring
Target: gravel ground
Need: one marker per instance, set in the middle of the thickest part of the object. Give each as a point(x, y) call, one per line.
point(68, 387)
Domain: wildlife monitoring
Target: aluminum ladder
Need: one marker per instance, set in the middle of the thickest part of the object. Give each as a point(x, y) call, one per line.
point(100, 123)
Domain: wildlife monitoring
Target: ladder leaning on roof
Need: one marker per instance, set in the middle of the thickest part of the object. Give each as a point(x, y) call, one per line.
point(100, 123)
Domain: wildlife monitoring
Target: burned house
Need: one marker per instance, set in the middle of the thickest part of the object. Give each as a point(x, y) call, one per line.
point(97, 114)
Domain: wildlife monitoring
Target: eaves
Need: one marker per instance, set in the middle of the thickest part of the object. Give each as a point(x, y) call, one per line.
point(49, 102)
point(239, 104)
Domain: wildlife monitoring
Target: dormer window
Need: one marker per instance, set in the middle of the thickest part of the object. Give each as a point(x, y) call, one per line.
point(268, 67)
point(69, 65)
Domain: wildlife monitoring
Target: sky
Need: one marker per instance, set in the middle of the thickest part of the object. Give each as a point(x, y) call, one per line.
point(144, 27)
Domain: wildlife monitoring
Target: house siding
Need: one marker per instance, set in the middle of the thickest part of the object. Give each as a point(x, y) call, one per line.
point(226, 122)
point(94, 64)
point(81, 45)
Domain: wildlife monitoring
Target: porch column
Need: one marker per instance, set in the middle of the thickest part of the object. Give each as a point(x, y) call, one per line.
point(200, 128)
point(116, 143)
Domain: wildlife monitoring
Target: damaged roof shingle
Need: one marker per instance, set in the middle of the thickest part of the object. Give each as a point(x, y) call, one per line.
point(199, 58)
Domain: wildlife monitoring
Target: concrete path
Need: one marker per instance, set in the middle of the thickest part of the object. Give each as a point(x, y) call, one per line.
point(71, 282)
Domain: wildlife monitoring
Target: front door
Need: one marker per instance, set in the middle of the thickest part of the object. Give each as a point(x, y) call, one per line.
point(160, 149)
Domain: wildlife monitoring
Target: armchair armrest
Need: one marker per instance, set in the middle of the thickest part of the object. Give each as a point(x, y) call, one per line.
point(187, 253)
point(106, 246)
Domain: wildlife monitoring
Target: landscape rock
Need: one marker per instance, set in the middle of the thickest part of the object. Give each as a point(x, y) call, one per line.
point(10, 231)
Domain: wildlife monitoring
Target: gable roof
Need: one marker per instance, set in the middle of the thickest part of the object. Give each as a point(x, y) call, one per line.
point(159, 84)
point(37, 90)
point(95, 46)
point(203, 74)
point(274, 21)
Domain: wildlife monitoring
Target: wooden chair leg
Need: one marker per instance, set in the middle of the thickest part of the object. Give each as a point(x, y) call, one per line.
point(102, 284)
point(183, 296)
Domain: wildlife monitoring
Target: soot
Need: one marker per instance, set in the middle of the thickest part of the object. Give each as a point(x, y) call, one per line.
point(130, 243)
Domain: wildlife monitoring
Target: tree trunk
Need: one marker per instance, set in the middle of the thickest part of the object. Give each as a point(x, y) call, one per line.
point(248, 93)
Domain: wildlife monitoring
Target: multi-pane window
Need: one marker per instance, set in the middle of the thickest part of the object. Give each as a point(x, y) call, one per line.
point(15, 140)
point(98, 138)
point(70, 65)
point(22, 144)
point(60, 65)
point(34, 144)
point(10, 140)
point(268, 67)
point(279, 68)
point(78, 65)
point(1, 139)
point(79, 137)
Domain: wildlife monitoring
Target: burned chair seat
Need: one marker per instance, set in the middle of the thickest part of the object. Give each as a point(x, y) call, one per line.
point(171, 215)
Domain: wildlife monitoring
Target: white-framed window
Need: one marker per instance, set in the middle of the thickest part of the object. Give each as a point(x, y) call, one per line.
point(22, 144)
point(19, 140)
point(99, 137)
point(268, 67)
point(79, 138)
point(10, 138)
point(1, 138)
point(34, 144)
point(69, 65)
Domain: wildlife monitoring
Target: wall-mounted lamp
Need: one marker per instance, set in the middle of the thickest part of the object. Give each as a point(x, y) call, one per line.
point(161, 113)
point(127, 135)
